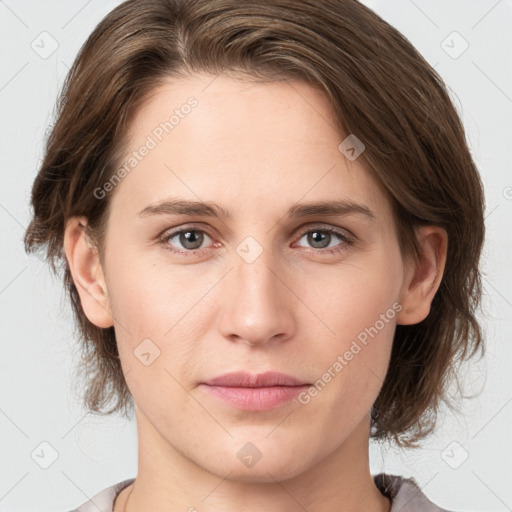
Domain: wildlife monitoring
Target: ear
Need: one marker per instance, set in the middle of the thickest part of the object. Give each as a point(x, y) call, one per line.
point(84, 264)
point(422, 280)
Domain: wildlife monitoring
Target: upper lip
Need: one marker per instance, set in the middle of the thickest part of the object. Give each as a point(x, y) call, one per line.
point(253, 380)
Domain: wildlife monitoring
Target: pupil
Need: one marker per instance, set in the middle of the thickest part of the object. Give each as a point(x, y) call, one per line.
point(318, 237)
point(188, 237)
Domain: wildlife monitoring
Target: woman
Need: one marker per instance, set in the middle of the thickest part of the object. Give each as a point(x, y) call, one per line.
point(270, 227)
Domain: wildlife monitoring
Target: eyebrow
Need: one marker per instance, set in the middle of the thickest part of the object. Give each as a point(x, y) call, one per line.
point(211, 209)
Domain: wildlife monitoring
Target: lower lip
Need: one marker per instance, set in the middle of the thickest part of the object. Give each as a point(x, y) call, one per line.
point(255, 399)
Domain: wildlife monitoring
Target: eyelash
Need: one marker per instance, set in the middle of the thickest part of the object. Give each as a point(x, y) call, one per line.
point(348, 241)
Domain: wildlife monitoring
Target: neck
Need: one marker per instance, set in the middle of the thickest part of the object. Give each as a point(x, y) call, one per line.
point(167, 481)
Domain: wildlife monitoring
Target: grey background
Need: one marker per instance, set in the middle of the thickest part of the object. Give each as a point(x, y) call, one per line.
point(465, 466)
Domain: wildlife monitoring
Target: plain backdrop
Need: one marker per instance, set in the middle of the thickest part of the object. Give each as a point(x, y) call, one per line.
point(465, 466)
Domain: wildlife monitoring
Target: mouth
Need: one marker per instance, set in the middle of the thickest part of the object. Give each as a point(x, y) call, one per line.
point(255, 392)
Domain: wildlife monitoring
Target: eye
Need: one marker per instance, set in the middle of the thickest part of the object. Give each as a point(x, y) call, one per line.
point(322, 238)
point(189, 239)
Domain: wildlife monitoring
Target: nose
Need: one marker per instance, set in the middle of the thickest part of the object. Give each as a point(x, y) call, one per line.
point(258, 303)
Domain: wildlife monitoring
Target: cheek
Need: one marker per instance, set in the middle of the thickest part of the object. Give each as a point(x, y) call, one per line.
point(352, 297)
point(357, 305)
point(352, 366)
point(157, 314)
point(149, 295)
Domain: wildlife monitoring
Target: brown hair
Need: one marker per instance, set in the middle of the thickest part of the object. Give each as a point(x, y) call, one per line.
point(381, 89)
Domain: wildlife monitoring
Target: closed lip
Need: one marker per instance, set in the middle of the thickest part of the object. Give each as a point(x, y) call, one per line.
point(255, 380)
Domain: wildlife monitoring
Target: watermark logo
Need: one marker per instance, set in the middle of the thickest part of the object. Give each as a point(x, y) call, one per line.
point(249, 249)
point(44, 455)
point(249, 454)
point(44, 45)
point(454, 455)
point(146, 352)
point(454, 45)
point(351, 147)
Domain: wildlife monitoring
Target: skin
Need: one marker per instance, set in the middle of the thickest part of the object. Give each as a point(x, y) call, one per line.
point(256, 150)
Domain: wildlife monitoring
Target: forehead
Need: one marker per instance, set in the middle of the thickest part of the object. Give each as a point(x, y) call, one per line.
point(239, 143)
point(235, 115)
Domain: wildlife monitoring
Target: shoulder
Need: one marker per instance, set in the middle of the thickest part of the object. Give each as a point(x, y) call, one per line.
point(405, 494)
point(103, 501)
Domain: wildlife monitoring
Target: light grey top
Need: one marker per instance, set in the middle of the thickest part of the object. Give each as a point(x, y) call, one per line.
point(405, 495)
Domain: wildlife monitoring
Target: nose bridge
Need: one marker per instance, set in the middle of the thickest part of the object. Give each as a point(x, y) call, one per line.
point(254, 272)
point(258, 305)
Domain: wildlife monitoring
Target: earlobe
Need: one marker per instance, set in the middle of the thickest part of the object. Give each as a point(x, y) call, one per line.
point(422, 280)
point(88, 277)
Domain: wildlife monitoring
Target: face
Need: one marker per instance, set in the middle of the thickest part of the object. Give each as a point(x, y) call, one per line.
point(255, 283)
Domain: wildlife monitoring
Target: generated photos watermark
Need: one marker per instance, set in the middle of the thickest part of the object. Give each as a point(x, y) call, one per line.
point(152, 140)
point(344, 359)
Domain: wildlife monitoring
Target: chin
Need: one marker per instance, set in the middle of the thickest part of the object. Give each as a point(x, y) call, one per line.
point(262, 473)
point(279, 464)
